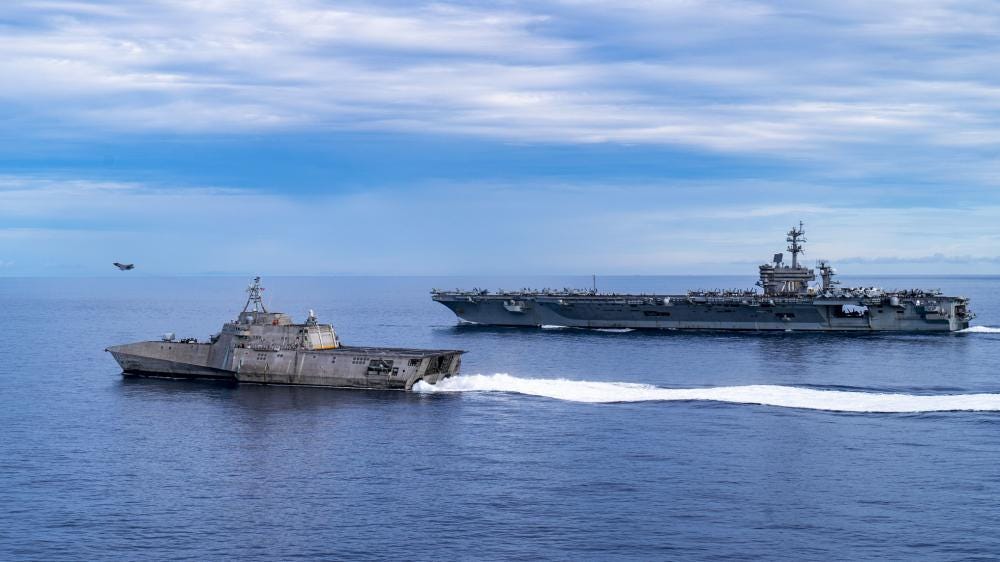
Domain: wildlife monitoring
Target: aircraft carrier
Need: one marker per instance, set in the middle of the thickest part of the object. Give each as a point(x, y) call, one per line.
point(266, 347)
point(786, 298)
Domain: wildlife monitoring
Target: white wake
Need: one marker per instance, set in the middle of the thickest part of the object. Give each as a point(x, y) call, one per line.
point(769, 395)
point(611, 330)
point(980, 330)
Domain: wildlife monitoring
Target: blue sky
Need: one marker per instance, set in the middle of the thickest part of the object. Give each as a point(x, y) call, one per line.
point(576, 136)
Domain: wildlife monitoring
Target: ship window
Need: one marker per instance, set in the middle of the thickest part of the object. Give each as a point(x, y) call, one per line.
point(414, 362)
point(379, 367)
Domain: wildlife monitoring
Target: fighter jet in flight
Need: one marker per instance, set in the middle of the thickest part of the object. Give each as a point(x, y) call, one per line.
point(124, 266)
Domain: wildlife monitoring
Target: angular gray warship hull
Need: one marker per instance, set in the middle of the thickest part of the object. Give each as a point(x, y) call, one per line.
point(785, 301)
point(268, 348)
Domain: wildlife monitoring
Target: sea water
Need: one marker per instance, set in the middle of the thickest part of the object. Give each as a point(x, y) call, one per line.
point(555, 443)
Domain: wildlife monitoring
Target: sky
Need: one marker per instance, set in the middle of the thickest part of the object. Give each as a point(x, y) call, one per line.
point(312, 137)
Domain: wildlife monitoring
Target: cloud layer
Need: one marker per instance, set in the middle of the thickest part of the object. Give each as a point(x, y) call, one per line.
point(563, 135)
point(726, 76)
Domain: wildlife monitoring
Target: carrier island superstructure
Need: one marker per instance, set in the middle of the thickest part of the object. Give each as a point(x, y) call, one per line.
point(786, 298)
point(266, 347)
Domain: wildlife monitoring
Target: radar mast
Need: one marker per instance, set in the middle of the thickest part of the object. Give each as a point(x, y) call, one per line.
point(795, 238)
point(256, 297)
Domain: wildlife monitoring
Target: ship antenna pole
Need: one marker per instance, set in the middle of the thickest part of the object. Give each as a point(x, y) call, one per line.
point(255, 297)
point(594, 276)
point(795, 238)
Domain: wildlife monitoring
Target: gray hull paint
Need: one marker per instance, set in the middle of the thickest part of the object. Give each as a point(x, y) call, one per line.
point(787, 300)
point(345, 367)
point(269, 348)
point(609, 312)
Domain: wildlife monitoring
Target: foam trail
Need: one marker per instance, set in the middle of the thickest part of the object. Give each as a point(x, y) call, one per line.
point(611, 330)
point(769, 395)
point(980, 330)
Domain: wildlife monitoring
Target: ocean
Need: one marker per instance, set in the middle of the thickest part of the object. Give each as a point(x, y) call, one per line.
point(559, 444)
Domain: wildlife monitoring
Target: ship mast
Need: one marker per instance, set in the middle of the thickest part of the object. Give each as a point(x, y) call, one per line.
point(256, 297)
point(779, 279)
point(795, 238)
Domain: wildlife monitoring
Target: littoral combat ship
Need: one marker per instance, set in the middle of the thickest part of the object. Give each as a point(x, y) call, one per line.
point(784, 300)
point(269, 348)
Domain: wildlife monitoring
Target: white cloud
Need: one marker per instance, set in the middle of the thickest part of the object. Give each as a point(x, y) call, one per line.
point(731, 76)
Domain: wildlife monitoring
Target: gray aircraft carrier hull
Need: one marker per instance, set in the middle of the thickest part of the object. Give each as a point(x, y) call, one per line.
point(681, 312)
point(787, 300)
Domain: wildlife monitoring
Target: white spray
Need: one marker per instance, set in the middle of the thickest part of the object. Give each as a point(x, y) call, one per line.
point(770, 395)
